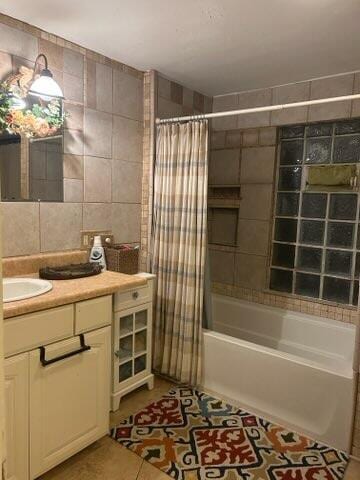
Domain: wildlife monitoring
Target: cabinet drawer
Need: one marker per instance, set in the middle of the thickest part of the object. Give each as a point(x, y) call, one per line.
point(29, 331)
point(132, 298)
point(92, 314)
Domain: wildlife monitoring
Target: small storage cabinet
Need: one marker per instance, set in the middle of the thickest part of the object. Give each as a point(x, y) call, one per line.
point(132, 340)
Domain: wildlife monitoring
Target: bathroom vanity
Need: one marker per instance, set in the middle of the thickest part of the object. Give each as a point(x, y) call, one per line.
point(59, 366)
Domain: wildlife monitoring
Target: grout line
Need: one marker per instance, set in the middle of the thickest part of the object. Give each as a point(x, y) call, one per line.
point(141, 465)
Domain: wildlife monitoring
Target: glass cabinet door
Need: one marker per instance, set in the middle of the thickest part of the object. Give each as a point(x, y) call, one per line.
point(131, 342)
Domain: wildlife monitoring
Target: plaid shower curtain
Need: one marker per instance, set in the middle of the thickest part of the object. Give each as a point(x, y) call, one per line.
point(179, 248)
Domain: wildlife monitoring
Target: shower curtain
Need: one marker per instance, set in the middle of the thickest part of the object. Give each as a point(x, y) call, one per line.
point(179, 248)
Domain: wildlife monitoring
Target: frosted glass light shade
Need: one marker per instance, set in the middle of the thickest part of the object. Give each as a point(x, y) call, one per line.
point(46, 88)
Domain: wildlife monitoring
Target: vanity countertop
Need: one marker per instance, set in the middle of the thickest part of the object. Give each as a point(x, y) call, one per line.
point(70, 291)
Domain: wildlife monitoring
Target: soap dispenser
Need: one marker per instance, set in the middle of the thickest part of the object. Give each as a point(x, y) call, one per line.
point(97, 254)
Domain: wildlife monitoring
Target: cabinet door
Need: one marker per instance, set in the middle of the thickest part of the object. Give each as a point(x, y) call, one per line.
point(132, 346)
point(69, 399)
point(17, 417)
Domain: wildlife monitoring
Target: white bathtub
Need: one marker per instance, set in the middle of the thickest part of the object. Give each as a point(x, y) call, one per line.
point(292, 368)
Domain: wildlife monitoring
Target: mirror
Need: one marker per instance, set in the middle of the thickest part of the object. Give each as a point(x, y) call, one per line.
point(31, 136)
point(31, 168)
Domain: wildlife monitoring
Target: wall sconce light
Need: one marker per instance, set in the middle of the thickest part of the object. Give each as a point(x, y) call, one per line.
point(45, 86)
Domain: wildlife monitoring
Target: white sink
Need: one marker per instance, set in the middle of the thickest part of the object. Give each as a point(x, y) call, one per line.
point(21, 288)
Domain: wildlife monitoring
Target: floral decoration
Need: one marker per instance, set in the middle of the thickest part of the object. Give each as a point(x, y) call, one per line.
point(40, 120)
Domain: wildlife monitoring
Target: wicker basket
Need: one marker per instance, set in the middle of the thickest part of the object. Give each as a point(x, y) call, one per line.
point(120, 259)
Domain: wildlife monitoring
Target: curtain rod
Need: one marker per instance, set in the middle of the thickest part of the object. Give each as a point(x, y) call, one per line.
point(269, 108)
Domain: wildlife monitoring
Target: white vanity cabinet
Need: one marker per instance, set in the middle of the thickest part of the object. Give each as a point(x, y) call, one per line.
point(69, 401)
point(57, 384)
point(17, 416)
point(132, 341)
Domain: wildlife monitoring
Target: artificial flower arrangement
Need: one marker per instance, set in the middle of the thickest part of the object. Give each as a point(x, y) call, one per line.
point(41, 120)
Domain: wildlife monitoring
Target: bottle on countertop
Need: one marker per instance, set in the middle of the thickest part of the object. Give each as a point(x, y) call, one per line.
point(97, 253)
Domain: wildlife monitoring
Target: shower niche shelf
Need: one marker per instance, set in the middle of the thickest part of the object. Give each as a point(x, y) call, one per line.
point(224, 192)
point(223, 225)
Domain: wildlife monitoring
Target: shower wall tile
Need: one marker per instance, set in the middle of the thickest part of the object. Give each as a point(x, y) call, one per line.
point(217, 139)
point(97, 216)
point(256, 202)
point(223, 103)
point(20, 228)
point(73, 63)
point(73, 88)
point(224, 167)
point(73, 190)
point(298, 92)
point(90, 84)
point(73, 142)
point(127, 139)
point(199, 101)
point(125, 222)
point(104, 88)
point(208, 104)
point(176, 93)
point(17, 42)
point(257, 165)
point(250, 271)
point(164, 87)
point(234, 138)
point(168, 109)
point(331, 87)
point(255, 98)
point(253, 236)
point(97, 133)
point(224, 226)
point(97, 179)
point(128, 95)
point(355, 111)
point(60, 226)
point(222, 266)
point(250, 137)
point(267, 136)
point(73, 166)
point(188, 98)
point(126, 182)
point(53, 52)
point(75, 116)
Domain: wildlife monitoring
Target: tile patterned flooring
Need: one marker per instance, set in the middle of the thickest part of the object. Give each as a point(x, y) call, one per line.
point(107, 460)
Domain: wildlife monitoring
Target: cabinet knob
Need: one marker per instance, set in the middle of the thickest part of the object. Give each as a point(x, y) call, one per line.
point(135, 295)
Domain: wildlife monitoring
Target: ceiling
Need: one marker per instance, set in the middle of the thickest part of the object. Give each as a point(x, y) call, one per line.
point(213, 46)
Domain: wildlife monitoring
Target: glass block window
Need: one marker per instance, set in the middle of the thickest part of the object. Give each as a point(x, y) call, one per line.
point(316, 238)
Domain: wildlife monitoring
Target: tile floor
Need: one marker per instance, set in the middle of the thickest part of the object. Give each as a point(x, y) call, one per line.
point(107, 460)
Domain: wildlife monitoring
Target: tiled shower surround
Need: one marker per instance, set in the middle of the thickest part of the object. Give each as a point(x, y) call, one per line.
point(243, 159)
point(102, 146)
point(242, 180)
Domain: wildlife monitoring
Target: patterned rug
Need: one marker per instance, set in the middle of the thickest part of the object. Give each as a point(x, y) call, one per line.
point(192, 436)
